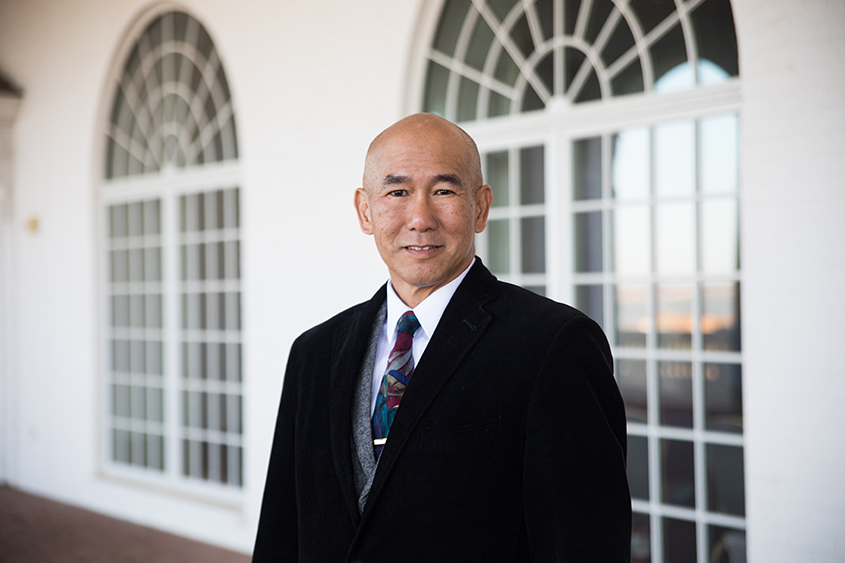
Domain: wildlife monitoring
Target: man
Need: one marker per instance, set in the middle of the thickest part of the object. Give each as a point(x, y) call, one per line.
point(452, 417)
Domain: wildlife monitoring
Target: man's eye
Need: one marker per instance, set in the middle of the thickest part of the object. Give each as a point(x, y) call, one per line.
point(397, 193)
point(443, 192)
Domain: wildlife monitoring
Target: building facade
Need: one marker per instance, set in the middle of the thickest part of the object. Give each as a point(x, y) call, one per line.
point(176, 183)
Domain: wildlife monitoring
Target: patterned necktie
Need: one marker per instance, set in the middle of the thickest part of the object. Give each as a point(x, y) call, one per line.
point(400, 368)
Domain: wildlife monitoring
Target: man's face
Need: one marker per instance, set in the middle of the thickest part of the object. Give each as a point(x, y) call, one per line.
point(422, 204)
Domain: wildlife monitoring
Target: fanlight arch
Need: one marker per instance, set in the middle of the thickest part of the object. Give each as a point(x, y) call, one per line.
point(497, 57)
point(172, 107)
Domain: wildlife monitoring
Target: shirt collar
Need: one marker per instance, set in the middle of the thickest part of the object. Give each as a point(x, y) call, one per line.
point(428, 312)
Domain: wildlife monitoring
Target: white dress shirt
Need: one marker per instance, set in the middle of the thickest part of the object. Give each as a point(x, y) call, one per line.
point(428, 312)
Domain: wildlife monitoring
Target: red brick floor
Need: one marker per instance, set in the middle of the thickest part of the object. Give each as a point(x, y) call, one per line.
point(36, 530)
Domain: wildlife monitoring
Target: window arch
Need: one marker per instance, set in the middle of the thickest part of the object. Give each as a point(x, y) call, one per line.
point(609, 133)
point(172, 107)
point(500, 57)
point(170, 203)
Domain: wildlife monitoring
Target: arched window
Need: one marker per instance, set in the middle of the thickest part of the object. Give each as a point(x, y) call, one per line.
point(609, 133)
point(171, 237)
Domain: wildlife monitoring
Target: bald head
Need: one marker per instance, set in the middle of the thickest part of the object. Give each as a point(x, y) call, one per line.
point(419, 131)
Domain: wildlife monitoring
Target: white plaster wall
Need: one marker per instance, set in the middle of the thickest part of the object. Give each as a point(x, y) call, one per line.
point(312, 82)
point(792, 62)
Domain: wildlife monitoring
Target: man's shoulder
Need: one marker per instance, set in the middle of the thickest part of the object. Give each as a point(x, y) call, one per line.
point(531, 306)
point(340, 322)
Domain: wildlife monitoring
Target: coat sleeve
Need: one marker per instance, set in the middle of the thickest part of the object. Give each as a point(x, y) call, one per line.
point(575, 489)
point(277, 537)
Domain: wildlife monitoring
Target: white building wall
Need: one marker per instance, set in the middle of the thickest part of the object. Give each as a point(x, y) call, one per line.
point(792, 63)
point(312, 83)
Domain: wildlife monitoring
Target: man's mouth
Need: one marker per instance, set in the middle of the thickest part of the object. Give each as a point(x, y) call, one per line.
point(430, 247)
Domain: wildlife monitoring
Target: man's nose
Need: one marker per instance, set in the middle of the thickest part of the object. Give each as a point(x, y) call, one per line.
point(422, 215)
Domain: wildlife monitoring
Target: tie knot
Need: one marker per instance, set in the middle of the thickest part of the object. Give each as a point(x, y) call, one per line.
point(408, 322)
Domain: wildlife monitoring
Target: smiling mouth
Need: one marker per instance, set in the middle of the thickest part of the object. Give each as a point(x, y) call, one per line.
point(430, 247)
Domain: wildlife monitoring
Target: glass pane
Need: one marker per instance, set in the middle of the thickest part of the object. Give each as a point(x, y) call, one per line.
point(678, 472)
point(498, 245)
point(586, 166)
point(727, 545)
point(531, 101)
point(532, 175)
point(136, 222)
point(467, 99)
point(498, 105)
point(154, 402)
point(506, 70)
point(631, 248)
point(674, 316)
point(119, 266)
point(521, 35)
point(718, 154)
point(675, 393)
point(640, 538)
point(675, 238)
point(638, 466)
point(629, 174)
point(723, 397)
point(497, 177)
point(120, 310)
point(672, 71)
point(632, 323)
point(545, 70)
point(716, 40)
point(588, 242)
point(719, 236)
point(674, 158)
point(479, 44)
point(119, 225)
point(152, 264)
point(618, 44)
point(591, 90)
point(631, 375)
point(725, 480)
point(678, 541)
point(501, 7)
point(120, 398)
point(589, 299)
point(599, 13)
point(136, 265)
point(720, 317)
point(629, 81)
point(154, 357)
point(533, 245)
point(451, 21)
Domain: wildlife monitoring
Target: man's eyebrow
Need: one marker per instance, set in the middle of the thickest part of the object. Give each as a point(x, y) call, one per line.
point(393, 179)
point(453, 179)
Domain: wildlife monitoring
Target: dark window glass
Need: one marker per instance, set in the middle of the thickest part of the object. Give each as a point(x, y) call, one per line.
point(723, 397)
point(598, 17)
point(451, 21)
point(675, 393)
point(532, 171)
point(638, 466)
point(589, 299)
point(533, 245)
point(715, 35)
point(631, 375)
point(677, 460)
point(479, 44)
point(586, 160)
point(725, 480)
point(640, 538)
point(588, 242)
point(467, 100)
point(727, 545)
point(678, 541)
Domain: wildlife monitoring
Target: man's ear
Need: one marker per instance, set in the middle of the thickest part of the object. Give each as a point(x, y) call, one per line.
point(362, 208)
point(483, 201)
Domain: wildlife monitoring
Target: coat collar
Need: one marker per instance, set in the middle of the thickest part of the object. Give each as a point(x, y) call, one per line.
point(462, 324)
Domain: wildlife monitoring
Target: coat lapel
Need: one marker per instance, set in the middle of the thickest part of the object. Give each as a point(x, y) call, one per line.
point(348, 350)
point(462, 324)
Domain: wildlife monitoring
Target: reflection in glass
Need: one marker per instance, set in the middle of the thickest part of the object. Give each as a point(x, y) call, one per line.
point(675, 238)
point(678, 472)
point(638, 466)
point(672, 71)
point(674, 316)
point(718, 154)
point(713, 24)
point(532, 175)
point(588, 242)
point(675, 393)
point(678, 541)
point(589, 299)
point(631, 240)
point(497, 177)
point(640, 538)
point(632, 323)
point(727, 545)
point(586, 165)
point(629, 174)
point(674, 158)
point(498, 245)
point(723, 397)
point(631, 375)
point(533, 245)
point(725, 480)
point(720, 316)
point(719, 236)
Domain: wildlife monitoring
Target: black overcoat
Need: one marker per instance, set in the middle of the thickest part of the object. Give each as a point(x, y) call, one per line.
point(509, 444)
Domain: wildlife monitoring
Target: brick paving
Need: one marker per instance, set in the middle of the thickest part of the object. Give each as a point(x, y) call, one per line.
point(37, 530)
